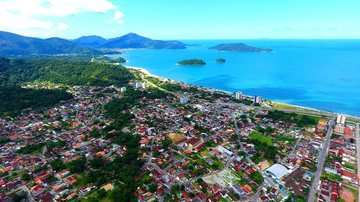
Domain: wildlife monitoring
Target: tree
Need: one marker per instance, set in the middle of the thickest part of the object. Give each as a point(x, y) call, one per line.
point(166, 143)
point(57, 164)
point(25, 177)
point(101, 193)
point(200, 180)
point(152, 188)
point(97, 162)
point(78, 165)
point(19, 196)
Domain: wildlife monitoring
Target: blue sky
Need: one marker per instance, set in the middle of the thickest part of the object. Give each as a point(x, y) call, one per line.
point(183, 19)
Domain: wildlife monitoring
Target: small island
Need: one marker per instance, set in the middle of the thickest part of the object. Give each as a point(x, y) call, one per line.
point(220, 60)
point(239, 47)
point(192, 62)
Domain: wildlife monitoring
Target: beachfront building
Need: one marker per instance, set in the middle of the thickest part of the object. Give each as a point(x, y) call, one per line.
point(257, 99)
point(239, 95)
point(340, 119)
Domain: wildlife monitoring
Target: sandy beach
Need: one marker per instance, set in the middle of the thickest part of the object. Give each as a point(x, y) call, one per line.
point(285, 105)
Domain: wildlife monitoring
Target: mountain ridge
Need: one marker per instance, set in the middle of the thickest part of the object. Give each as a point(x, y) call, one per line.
point(17, 45)
point(131, 40)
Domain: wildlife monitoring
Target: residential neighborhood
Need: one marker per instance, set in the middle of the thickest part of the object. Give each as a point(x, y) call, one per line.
point(195, 144)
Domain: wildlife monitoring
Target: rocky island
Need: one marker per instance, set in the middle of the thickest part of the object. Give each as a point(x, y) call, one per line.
point(239, 47)
point(192, 62)
point(220, 60)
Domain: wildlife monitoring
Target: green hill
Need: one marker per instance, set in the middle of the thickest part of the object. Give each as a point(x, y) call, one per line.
point(16, 72)
point(14, 45)
point(132, 40)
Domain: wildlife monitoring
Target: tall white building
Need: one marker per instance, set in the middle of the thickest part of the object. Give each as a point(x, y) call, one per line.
point(257, 99)
point(239, 95)
point(341, 118)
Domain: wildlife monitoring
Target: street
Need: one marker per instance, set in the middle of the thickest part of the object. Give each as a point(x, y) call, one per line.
point(321, 162)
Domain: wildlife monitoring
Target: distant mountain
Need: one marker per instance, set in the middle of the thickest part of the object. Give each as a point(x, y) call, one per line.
point(90, 41)
point(17, 45)
point(132, 40)
point(239, 47)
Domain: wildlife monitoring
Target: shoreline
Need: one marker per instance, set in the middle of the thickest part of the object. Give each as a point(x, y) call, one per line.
point(146, 72)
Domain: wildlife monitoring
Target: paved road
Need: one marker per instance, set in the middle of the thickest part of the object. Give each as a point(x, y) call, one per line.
point(257, 194)
point(321, 161)
point(358, 154)
point(267, 179)
point(293, 152)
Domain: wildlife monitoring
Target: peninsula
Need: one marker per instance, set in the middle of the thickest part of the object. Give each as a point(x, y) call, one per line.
point(239, 47)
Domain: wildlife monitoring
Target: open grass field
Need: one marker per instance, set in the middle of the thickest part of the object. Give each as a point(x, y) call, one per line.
point(261, 138)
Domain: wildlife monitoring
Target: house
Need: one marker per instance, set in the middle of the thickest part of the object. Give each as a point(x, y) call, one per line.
point(70, 180)
point(192, 142)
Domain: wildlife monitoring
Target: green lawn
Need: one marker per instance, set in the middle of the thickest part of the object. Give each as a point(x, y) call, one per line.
point(261, 138)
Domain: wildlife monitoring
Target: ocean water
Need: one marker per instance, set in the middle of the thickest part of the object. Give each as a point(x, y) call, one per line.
point(321, 74)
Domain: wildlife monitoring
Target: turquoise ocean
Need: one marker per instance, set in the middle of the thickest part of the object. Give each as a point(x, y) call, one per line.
point(321, 74)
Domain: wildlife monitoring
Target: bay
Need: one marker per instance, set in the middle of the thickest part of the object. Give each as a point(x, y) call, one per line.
point(321, 74)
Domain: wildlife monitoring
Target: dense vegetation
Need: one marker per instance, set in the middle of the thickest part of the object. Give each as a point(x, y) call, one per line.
point(239, 47)
point(298, 119)
point(14, 99)
point(122, 169)
point(15, 72)
point(105, 59)
point(257, 177)
point(192, 62)
point(264, 151)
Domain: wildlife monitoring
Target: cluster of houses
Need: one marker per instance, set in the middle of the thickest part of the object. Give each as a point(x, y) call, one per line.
point(196, 148)
point(59, 132)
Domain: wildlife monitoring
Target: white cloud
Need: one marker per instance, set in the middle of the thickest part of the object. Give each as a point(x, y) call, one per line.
point(26, 17)
point(62, 27)
point(117, 18)
point(58, 8)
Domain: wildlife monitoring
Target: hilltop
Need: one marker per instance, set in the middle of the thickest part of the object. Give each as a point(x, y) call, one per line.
point(90, 41)
point(132, 40)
